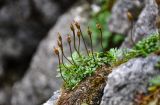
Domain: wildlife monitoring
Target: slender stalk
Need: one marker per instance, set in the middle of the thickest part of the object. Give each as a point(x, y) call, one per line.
point(61, 69)
point(100, 29)
point(74, 39)
point(79, 41)
point(71, 54)
point(101, 38)
point(64, 54)
point(90, 36)
point(63, 62)
point(69, 42)
point(84, 41)
point(79, 29)
point(56, 51)
point(60, 44)
point(131, 19)
point(132, 29)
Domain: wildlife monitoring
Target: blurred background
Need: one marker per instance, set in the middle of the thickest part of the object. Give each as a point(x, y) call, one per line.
point(28, 32)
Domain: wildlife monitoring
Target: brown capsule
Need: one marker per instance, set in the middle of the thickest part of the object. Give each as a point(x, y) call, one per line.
point(98, 26)
point(59, 43)
point(78, 33)
point(72, 27)
point(158, 2)
point(56, 51)
point(59, 37)
point(129, 16)
point(69, 38)
point(89, 32)
point(77, 25)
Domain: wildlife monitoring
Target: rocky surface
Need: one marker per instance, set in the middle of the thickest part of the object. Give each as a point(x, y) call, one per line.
point(53, 99)
point(132, 77)
point(128, 79)
point(145, 25)
point(125, 82)
point(144, 13)
point(23, 24)
point(40, 80)
point(119, 22)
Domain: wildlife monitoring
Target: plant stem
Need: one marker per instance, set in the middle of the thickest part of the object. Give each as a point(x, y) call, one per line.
point(84, 41)
point(132, 29)
point(101, 39)
point(78, 44)
point(74, 41)
point(71, 53)
point(66, 57)
point(90, 36)
point(60, 68)
point(92, 48)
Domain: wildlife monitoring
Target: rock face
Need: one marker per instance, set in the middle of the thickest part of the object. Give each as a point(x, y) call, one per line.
point(40, 80)
point(119, 22)
point(53, 99)
point(144, 13)
point(145, 25)
point(23, 24)
point(128, 79)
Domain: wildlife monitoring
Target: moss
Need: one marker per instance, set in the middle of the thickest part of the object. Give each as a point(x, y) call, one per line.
point(88, 91)
point(85, 66)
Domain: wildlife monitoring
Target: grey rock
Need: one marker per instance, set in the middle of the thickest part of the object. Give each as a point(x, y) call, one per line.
point(40, 80)
point(144, 13)
point(128, 79)
point(53, 99)
point(145, 25)
point(22, 26)
point(119, 22)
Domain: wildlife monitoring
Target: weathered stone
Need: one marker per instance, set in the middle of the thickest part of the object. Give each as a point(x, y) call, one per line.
point(128, 79)
point(119, 22)
point(53, 99)
point(40, 80)
point(144, 26)
point(22, 26)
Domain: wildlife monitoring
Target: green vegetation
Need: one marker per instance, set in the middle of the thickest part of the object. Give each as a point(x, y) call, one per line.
point(155, 81)
point(148, 45)
point(158, 64)
point(83, 66)
point(110, 40)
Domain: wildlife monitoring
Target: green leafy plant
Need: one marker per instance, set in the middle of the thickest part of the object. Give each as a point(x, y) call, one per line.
point(155, 83)
point(79, 65)
point(148, 45)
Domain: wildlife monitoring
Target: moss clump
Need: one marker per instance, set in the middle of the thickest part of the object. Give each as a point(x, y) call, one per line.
point(148, 45)
point(85, 83)
point(86, 65)
point(89, 90)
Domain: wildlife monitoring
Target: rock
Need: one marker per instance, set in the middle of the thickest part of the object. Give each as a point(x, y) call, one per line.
point(144, 13)
point(128, 79)
point(53, 99)
point(40, 80)
point(22, 26)
point(119, 22)
point(145, 25)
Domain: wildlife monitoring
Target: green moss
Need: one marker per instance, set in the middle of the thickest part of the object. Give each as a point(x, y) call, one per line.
point(148, 45)
point(86, 65)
